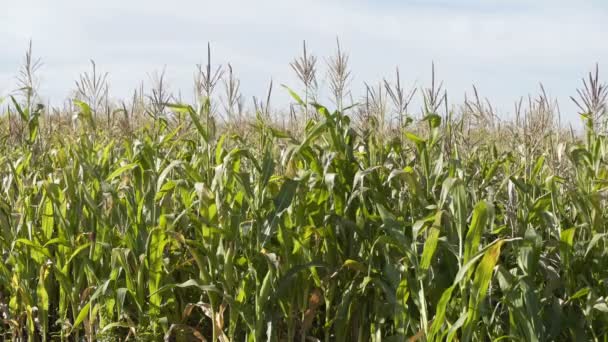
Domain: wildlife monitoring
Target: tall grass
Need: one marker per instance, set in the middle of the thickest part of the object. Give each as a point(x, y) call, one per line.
point(166, 220)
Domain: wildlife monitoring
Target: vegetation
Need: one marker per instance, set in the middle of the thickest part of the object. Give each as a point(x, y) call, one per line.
point(154, 219)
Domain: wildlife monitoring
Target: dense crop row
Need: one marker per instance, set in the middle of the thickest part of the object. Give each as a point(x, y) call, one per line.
point(432, 231)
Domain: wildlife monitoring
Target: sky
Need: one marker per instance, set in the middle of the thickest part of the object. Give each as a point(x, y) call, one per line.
point(504, 48)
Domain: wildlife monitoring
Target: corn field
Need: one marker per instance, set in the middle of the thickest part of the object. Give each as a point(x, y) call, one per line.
point(339, 225)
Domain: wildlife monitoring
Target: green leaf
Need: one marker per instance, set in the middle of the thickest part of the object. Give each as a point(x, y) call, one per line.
point(567, 241)
point(602, 307)
point(414, 138)
point(285, 196)
point(483, 216)
point(294, 95)
point(463, 274)
point(35, 247)
point(580, 293)
point(48, 219)
point(42, 296)
point(189, 283)
point(594, 240)
point(121, 170)
point(85, 112)
point(22, 114)
point(483, 276)
point(354, 265)
point(82, 315)
point(433, 119)
point(430, 246)
point(157, 241)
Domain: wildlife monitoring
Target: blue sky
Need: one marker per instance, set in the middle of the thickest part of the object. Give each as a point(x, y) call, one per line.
point(505, 48)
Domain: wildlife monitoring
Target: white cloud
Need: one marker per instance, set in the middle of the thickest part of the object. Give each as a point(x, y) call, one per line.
point(506, 47)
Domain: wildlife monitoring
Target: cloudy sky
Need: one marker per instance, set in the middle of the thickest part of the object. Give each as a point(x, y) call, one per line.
point(505, 48)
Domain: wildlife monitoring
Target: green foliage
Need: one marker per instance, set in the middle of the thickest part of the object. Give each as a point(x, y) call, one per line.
point(193, 234)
